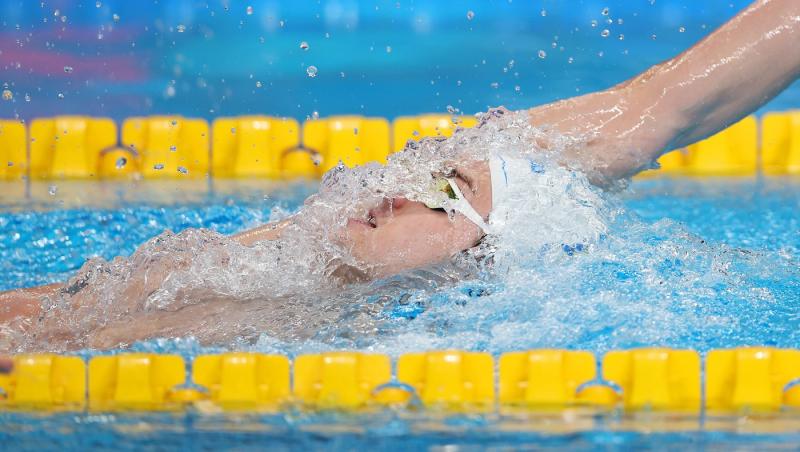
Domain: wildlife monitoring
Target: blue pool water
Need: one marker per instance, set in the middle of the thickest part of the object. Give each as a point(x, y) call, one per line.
point(374, 57)
point(691, 263)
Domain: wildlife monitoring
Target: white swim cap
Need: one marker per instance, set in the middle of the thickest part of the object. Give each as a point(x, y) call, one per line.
point(505, 173)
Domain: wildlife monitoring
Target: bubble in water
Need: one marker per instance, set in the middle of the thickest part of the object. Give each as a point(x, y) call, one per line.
point(183, 170)
point(594, 24)
point(451, 109)
point(470, 15)
point(61, 96)
point(258, 84)
point(173, 148)
point(8, 95)
point(249, 10)
point(517, 88)
point(542, 54)
point(605, 33)
point(311, 71)
point(543, 13)
point(494, 85)
point(604, 11)
point(121, 162)
point(52, 190)
point(570, 60)
point(68, 69)
point(315, 114)
point(303, 45)
point(115, 17)
point(181, 28)
point(174, 122)
point(158, 166)
point(681, 29)
point(388, 49)
point(621, 37)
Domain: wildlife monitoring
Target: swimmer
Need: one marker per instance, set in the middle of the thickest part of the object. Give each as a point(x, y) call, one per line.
point(610, 135)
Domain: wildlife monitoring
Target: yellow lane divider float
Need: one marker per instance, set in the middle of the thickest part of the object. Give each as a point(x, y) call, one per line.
point(743, 380)
point(280, 148)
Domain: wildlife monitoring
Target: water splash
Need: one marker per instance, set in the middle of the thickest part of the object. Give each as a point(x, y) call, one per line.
point(571, 269)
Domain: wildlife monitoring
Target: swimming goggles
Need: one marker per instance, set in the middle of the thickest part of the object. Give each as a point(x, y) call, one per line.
point(456, 202)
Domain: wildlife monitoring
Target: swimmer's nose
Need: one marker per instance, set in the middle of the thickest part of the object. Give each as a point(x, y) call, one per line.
point(387, 206)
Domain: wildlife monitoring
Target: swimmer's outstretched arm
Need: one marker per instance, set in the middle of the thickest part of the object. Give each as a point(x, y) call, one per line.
point(724, 77)
point(27, 303)
point(270, 231)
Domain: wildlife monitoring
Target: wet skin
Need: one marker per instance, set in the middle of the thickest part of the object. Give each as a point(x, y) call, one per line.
point(401, 234)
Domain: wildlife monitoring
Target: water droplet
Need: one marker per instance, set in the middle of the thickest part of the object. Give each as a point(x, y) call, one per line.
point(605, 33)
point(52, 190)
point(158, 166)
point(8, 95)
point(542, 54)
point(311, 71)
point(115, 17)
point(258, 84)
point(183, 170)
point(604, 11)
point(181, 28)
point(681, 29)
point(173, 148)
point(303, 45)
point(249, 10)
point(121, 162)
point(470, 15)
point(68, 69)
point(61, 96)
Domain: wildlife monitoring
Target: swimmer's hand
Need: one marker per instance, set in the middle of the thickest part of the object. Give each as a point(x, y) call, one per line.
point(739, 67)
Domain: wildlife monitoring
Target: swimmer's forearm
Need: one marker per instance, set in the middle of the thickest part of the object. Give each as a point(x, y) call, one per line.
point(727, 75)
point(271, 231)
point(25, 303)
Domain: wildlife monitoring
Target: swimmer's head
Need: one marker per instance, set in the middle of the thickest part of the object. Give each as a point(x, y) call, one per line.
point(400, 234)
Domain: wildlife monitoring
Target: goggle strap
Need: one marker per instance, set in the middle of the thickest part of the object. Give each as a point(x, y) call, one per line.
point(462, 206)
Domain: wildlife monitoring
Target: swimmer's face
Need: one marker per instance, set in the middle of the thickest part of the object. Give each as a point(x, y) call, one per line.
point(400, 234)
